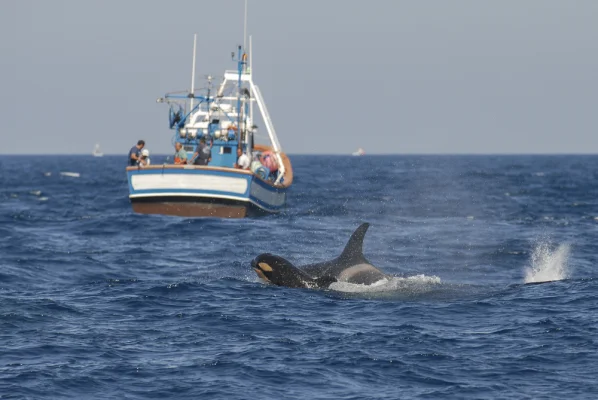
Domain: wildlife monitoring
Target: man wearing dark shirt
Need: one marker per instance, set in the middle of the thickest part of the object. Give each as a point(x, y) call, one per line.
point(203, 154)
point(134, 153)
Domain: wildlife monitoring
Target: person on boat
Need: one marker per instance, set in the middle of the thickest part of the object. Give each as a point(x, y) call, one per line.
point(144, 160)
point(243, 160)
point(135, 152)
point(180, 156)
point(267, 159)
point(203, 153)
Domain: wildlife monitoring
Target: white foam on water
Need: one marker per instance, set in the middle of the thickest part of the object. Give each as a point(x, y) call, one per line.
point(548, 263)
point(36, 192)
point(47, 174)
point(71, 174)
point(388, 285)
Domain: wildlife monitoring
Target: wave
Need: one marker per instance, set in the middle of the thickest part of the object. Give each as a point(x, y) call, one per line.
point(71, 174)
point(416, 283)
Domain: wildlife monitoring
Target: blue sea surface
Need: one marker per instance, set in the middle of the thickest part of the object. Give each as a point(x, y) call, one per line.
point(98, 302)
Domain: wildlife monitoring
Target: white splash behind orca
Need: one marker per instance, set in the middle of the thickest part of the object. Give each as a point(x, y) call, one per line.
point(351, 266)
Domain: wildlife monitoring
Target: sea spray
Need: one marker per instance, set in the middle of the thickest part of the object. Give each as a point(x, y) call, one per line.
point(548, 263)
point(413, 283)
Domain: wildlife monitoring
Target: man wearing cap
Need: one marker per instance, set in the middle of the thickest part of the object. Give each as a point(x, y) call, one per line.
point(144, 160)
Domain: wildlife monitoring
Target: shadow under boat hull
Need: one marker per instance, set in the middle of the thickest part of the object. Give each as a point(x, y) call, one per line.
point(202, 191)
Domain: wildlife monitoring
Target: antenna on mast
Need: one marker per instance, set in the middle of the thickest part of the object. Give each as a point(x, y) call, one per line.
point(245, 28)
point(193, 72)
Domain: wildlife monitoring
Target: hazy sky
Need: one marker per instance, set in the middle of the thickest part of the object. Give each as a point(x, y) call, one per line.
point(508, 76)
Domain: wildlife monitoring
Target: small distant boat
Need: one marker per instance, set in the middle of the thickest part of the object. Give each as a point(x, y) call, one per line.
point(359, 152)
point(96, 151)
point(223, 117)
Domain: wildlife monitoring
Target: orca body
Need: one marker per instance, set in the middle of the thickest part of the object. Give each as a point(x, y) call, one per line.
point(351, 266)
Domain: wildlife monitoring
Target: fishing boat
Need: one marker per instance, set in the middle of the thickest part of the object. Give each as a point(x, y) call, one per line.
point(96, 151)
point(222, 114)
point(359, 152)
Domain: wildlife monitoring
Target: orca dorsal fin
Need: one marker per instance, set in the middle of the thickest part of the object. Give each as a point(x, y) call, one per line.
point(354, 249)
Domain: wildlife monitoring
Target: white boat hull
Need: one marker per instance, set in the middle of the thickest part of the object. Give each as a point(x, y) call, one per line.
point(202, 191)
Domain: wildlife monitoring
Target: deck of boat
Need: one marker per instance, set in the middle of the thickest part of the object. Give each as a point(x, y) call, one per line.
point(288, 176)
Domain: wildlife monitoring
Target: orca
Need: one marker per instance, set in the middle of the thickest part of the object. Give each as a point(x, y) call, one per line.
point(351, 266)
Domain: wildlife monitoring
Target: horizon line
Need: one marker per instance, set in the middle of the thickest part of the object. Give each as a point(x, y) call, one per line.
point(321, 154)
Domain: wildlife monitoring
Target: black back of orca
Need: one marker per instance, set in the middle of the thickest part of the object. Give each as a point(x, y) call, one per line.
point(281, 272)
point(351, 266)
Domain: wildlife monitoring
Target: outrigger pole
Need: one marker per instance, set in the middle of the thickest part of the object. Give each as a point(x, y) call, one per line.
point(250, 72)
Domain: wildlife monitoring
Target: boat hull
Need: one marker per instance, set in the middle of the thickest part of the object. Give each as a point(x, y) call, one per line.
point(194, 191)
point(194, 207)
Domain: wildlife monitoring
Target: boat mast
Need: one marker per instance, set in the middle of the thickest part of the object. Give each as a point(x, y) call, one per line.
point(247, 69)
point(241, 61)
point(208, 102)
point(193, 73)
point(245, 28)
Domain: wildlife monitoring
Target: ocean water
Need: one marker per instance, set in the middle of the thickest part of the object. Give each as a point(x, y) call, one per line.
point(98, 302)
